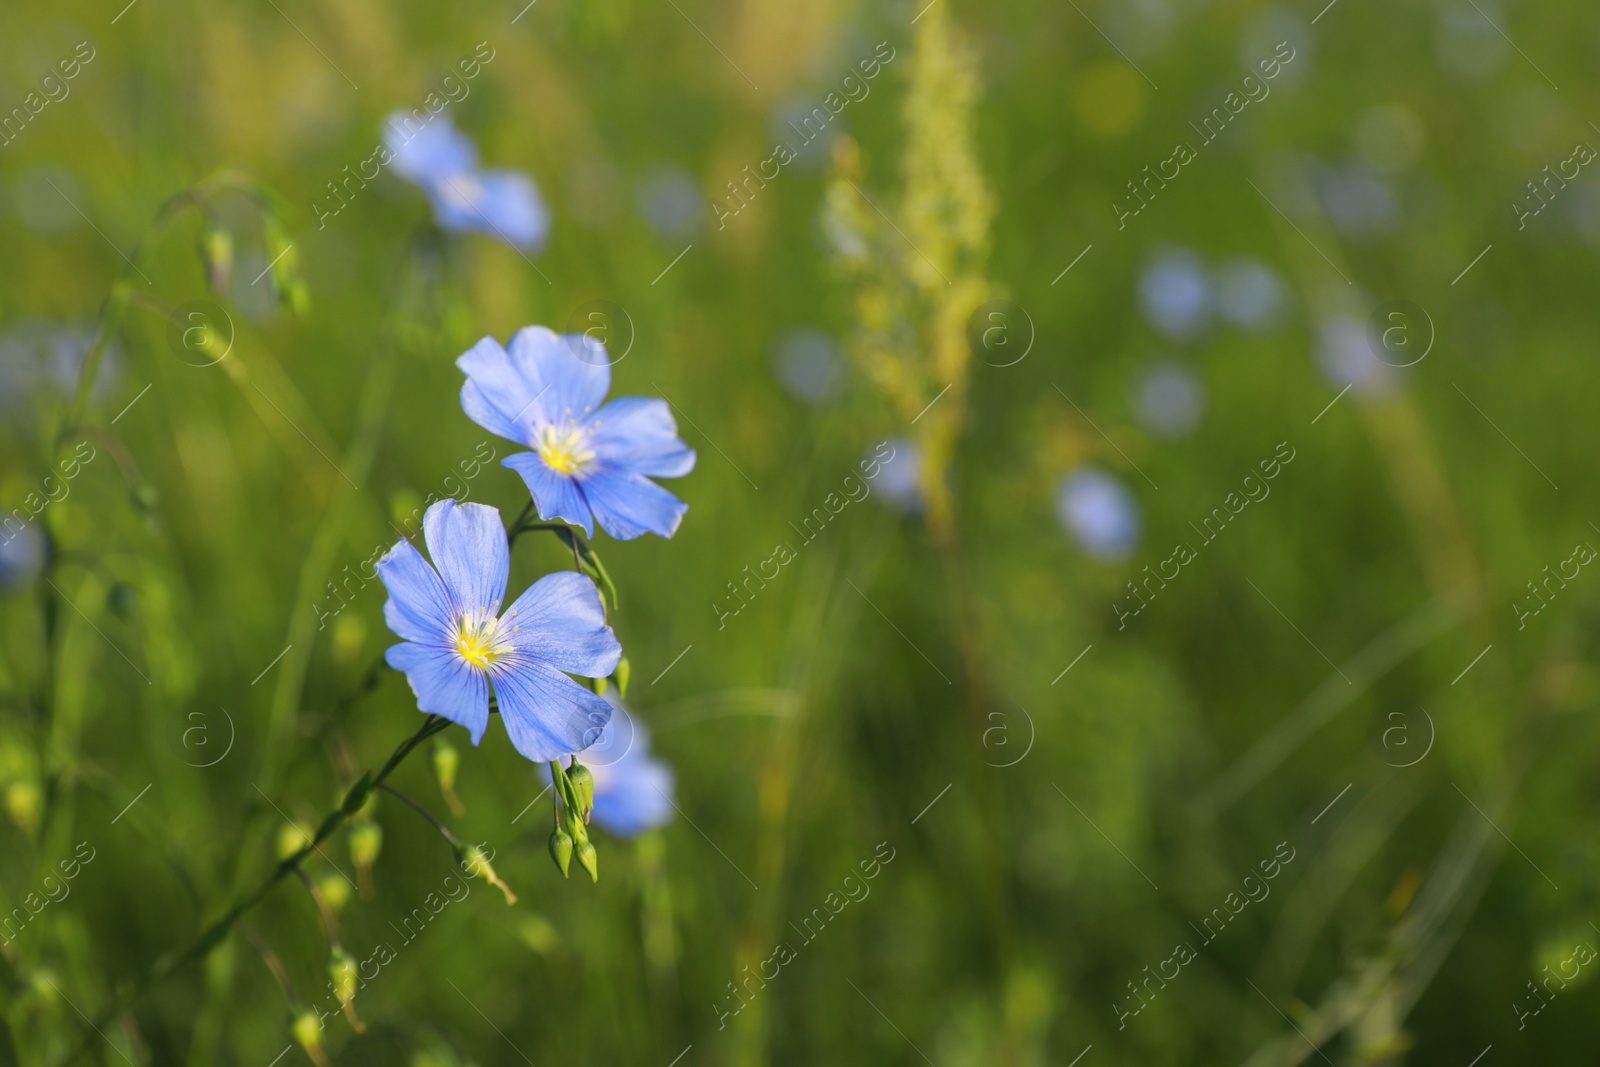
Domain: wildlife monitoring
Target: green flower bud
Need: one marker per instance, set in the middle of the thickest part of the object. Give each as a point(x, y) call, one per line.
point(342, 972)
point(539, 934)
point(335, 891)
point(588, 860)
point(23, 801)
point(477, 865)
point(621, 675)
point(583, 787)
point(297, 297)
point(349, 634)
point(366, 841)
point(307, 1029)
point(292, 838)
point(561, 849)
point(445, 761)
point(284, 260)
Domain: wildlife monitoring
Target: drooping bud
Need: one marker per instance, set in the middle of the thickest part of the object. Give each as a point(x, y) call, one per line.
point(291, 289)
point(621, 675)
point(23, 801)
point(561, 849)
point(308, 1032)
point(366, 841)
point(478, 866)
point(342, 969)
point(583, 788)
point(445, 761)
point(588, 859)
point(335, 891)
point(298, 297)
point(292, 838)
point(539, 934)
point(349, 634)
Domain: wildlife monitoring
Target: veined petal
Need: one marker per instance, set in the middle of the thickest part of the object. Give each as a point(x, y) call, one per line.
point(483, 411)
point(468, 546)
point(577, 386)
point(496, 396)
point(547, 714)
point(418, 608)
point(559, 621)
point(555, 494)
point(444, 684)
point(627, 505)
point(638, 433)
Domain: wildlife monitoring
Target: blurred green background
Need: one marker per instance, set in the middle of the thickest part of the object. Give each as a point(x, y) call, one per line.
point(1371, 669)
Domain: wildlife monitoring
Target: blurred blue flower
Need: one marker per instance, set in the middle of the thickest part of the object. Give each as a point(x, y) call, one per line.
point(455, 641)
point(1262, 31)
point(1344, 354)
point(443, 162)
point(422, 155)
point(35, 354)
point(1176, 295)
point(1359, 202)
point(632, 790)
point(502, 202)
point(671, 202)
point(21, 555)
point(1170, 400)
point(589, 463)
point(1469, 44)
point(808, 364)
point(806, 126)
point(1096, 509)
point(1249, 293)
point(900, 477)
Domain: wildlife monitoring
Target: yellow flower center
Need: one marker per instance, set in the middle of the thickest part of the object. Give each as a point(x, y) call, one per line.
point(477, 640)
point(564, 448)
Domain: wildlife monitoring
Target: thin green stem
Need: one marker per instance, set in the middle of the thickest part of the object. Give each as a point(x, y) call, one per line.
point(455, 843)
point(517, 526)
point(213, 935)
point(272, 962)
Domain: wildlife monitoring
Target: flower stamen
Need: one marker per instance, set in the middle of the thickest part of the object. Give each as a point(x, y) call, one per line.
point(564, 448)
point(478, 640)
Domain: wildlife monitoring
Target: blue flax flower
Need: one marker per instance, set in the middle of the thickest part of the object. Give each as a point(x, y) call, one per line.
point(456, 642)
point(440, 159)
point(632, 789)
point(21, 554)
point(590, 463)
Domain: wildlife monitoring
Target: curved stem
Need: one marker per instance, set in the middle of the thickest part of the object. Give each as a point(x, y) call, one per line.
point(212, 935)
point(455, 843)
point(272, 962)
point(122, 291)
point(517, 527)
